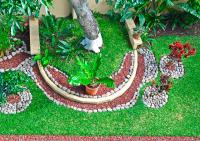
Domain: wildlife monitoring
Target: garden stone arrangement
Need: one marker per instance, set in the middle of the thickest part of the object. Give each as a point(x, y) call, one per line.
point(23, 62)
point(19, 106)
point(171, 67)
point(153, 98)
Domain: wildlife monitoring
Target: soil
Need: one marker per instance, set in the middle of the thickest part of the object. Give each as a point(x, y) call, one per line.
point(13, 98)
point(192, 30)
point(25, 36)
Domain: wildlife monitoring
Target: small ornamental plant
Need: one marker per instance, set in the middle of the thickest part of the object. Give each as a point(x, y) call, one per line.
point(165, 83)
point(179, 50)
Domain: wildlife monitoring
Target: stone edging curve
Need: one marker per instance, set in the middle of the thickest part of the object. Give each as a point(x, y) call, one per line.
point(90, 100)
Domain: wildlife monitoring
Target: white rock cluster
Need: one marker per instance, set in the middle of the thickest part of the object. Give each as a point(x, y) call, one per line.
point(151, 67)
point(153, 98)
point(177, 72)
point(25, 101)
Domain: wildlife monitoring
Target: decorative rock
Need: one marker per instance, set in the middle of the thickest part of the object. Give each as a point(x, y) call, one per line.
point(176, 71)
point(153, 98)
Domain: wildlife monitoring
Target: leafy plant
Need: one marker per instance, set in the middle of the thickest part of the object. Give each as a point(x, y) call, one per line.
point(54, 29)
point(87, 75)
point(10, 83)
point(5, 42)
point(64, 49)
point(16, 9)
point(45, 59)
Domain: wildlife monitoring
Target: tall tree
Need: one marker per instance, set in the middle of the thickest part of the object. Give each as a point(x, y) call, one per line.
point(93, 39)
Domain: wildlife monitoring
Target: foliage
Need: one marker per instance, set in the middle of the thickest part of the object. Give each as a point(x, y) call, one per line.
point(64, 49)
point(87, 75)
point(45, 59)
point(178, 50)
point(10, 83)
point(5, 42)
point(16, 9)
point(54, 29)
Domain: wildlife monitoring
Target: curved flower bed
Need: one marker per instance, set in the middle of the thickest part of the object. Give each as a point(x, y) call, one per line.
point(171, 67)
point(17, 106)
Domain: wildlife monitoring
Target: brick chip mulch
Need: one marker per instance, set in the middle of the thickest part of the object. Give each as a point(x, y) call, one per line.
point(94, 138)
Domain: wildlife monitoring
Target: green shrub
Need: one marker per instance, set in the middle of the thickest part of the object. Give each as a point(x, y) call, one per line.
point(16, 9)
point(5, 42)
point(10, 83)
point(54, 29)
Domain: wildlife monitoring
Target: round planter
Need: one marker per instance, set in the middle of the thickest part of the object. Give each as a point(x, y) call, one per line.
point(92, 90)
point(153, 98)
point(171, 67)
point(16, 103)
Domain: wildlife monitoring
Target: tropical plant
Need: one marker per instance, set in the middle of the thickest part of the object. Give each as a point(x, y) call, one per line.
point(54, 29)
point(87, 75)
point(10, 83)
point(44, 58)
point(64, 49)
point(5, 42)
point(17, 9)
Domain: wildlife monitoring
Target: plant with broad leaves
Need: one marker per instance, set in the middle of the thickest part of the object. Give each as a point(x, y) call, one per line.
point(87, 75)
point(17, 9)
point(45, 59)
point(64, 49)
point(54, 29)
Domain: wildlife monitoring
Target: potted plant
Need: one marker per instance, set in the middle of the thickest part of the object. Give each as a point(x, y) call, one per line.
point(86, 75)
point(137, 32)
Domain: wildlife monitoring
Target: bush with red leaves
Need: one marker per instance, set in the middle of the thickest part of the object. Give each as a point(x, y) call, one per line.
point(179, 50)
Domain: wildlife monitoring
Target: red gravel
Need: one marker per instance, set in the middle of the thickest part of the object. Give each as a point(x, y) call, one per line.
point(14, 61)
point(126, 97)
point(94, 138)
point(119, 78)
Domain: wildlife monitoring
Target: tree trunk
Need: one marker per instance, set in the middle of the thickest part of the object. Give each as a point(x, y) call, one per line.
point(93, 40)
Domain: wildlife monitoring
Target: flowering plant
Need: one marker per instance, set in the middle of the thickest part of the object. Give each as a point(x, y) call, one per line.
point(178, 50)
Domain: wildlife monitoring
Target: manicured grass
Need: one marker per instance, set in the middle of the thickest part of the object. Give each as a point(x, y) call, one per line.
point(180, 117)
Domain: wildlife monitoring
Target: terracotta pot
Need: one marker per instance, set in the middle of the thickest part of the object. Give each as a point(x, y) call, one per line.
point(92, 90)
point(13, 98)
point(136, 36)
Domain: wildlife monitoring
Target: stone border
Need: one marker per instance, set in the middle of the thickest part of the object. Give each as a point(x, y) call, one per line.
point(150, 63)
point(10, 55)
point(179, 68)
point(25, 101)
point(154, 101)
point(94, 138)
point(90, 100)
point(126, 105)
point(111, 92)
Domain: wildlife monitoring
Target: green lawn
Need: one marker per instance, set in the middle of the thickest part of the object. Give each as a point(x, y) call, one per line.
point(180, 117)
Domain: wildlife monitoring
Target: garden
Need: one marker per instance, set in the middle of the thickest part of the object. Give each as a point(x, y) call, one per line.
point(104, 68)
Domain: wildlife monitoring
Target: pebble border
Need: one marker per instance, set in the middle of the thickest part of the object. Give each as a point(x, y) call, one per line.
point(23, 104)
point(112, 92)
point(153, 99)
point(148, 55)
point(151, 67)
point(179, 68)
